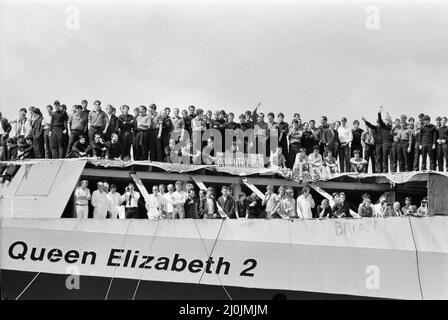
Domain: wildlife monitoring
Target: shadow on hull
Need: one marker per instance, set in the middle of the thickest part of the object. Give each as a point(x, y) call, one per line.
point(52, 287)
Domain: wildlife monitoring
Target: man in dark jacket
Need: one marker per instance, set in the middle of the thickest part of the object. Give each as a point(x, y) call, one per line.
point(227, 203)
point(191, 205)
point(114, 148)
point(442, 145)
point(318, 134)
point(98, 146)
point(5, 128)
point(37, 132)
point(113, 122)
point(7, 171)
point(427, 140)
point(255, 209)
point(388, 139)
point(80, 148)
point(58, 128)
point(330, 139)
point(378, 138)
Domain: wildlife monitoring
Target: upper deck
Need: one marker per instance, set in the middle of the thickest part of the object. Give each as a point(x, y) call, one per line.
point(44, 188)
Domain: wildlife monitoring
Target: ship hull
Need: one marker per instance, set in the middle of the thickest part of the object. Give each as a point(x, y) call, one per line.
point(395, 258)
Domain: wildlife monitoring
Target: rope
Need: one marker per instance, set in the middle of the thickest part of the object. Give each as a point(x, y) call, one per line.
point(416, 257)
point(26, 288)
point(115, 269)
point(149, 251)
point(208, 258)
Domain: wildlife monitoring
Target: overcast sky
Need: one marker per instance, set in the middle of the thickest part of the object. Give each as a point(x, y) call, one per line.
point(311, 58)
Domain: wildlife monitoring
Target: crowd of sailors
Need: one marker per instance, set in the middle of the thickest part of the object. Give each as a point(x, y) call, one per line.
point(179, 201)
point(304, 148)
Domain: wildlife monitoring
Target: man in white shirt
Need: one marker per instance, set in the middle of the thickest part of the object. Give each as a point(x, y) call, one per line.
point(179, 198)
point(345, 138)
point(154, 204)
point(100, 202)
point(130, 199)
point(271, 201)
point(82, 197)
point(46, 123)
point(305, 203)
point(116, 209)
point(169, 199)
point(380, 209)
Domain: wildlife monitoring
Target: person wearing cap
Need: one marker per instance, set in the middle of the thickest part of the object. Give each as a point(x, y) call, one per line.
point(427, 140)
point(345, 139)
point(442, 145)
point(100, 202)
point(82, 197)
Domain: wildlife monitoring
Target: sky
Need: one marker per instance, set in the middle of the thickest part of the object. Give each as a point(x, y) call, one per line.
point(314, 58)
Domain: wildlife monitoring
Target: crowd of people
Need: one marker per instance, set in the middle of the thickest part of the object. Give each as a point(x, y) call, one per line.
point(399, 145)
point(175, 201)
